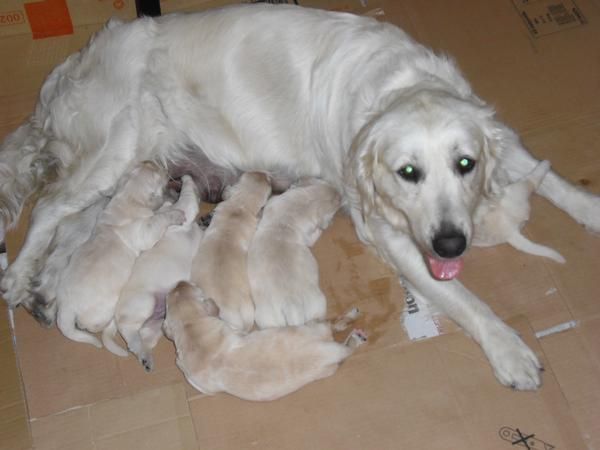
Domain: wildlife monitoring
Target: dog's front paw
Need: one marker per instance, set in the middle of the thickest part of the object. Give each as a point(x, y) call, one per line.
point(14, 286)
point(514, 363)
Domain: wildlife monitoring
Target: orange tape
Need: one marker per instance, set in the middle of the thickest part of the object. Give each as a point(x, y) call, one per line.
point(49, 18)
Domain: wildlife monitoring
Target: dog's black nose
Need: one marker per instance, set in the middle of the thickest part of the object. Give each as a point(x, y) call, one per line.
point(449, 242)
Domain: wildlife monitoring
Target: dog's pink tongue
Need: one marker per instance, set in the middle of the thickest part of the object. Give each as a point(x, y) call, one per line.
point(445, 269)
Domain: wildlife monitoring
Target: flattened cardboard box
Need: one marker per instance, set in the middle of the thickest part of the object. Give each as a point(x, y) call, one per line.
point(393, 394)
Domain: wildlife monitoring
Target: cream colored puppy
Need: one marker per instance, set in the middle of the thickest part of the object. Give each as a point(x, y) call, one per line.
point(262, 365)
point(220, 266)
point(283, 273)
point(500, 219)
point(89, 289)
point(141, 308)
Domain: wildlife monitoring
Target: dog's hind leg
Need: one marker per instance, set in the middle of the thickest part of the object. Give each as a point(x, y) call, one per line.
point(66, 321)
point(95, 175)
point(141, 329)
point(108, 335)
point(517, 162)
point(188, 200)
point(520, 242)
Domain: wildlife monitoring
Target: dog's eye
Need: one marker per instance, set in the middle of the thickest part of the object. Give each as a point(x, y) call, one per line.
point(465, 165)
point(410, 173)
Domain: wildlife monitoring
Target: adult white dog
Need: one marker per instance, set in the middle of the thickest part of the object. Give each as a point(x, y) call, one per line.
point(290, 91)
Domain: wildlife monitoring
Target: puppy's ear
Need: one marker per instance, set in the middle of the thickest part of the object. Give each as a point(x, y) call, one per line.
point(210, 307)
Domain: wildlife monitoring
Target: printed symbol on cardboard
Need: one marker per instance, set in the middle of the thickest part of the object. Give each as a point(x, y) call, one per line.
point(49, 18)
point(545, 17)
point(519, 439)
point(11, 18)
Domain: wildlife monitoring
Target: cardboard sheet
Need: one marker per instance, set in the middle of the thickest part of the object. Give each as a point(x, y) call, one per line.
point(435, 394)
point(394, 393)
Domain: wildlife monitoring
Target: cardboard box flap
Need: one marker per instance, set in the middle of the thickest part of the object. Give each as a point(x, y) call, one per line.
point(436, 394)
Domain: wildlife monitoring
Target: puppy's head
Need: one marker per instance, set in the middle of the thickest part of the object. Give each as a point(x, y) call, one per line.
point(146, 184)
point(185, 304)
point(250, 192)
point(322, 201)
point(423, 165)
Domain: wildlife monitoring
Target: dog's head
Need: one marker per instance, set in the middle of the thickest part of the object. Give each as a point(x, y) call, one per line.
point(186, 303)
point(423, 165)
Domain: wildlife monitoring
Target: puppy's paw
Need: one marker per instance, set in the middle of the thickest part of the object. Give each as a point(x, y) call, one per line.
point(176, 217)
point(514, 363)
point(356, 338)
point(342, 323)
point(147, 362)
point(269, 316)
point(42, 309)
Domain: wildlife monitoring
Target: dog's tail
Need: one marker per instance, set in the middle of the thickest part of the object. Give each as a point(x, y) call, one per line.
point(108, 335)
point(520, 242)
point(66, 324)
point(24, 168)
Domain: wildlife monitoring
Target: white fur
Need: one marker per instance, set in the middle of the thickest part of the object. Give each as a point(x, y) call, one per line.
point(221, 265)
point(262, 365)
point(295, 92)
point(283, 273)
point(154, 274)
point(72, 232)
point(500, 219)
point(89, 288)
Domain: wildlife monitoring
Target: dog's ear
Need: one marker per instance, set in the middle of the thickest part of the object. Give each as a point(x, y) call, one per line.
point(210, 307)
point(364, 159)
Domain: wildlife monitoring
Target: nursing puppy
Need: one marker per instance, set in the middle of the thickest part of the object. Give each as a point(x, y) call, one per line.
point(281, 268)
point(72, 232)
point(141, 307)
point(221, 264)
point(90, 286)
point(262, 365)
point(499, 219)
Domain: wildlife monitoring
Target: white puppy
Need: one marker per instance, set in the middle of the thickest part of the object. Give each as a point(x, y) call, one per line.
point(283, 273)
point(72, 232)
point(262, 365)
point(140, 311)
point(89, 288)
point(221, 265)
point(499, 219)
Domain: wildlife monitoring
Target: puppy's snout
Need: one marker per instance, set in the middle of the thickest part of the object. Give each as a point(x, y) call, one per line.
point(449, 242)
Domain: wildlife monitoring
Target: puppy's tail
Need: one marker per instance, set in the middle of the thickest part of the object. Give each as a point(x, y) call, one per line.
point(66, 324)
point(108, 335)
point(520, 242)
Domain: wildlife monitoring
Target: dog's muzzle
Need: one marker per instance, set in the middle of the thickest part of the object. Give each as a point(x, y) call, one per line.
point(449, 242)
